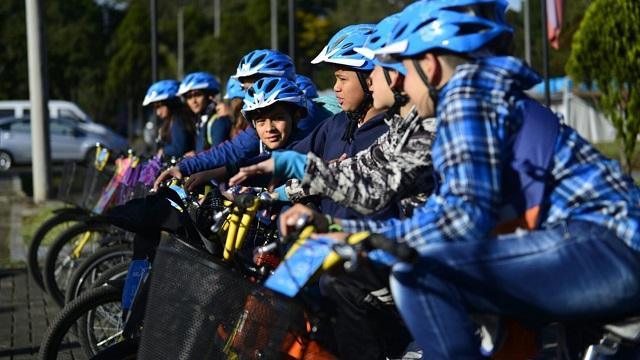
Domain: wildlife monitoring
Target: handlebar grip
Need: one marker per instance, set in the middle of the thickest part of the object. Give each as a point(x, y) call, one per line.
point(403, 252)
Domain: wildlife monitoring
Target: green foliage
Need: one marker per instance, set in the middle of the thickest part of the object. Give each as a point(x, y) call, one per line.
point(606, 51)
point(13, 57)
point(129, 66)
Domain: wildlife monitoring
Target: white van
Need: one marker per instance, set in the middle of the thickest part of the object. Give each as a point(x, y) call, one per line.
point(57, 109)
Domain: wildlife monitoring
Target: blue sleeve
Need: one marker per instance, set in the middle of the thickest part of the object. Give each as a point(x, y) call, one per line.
point(181, 141)
point(219, 130)
point(315, 141)
point(289, 164)
point(282, 194)
point(245, 145)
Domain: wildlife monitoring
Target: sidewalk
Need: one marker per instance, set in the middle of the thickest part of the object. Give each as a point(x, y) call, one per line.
point(25, 310)
point(25, 314)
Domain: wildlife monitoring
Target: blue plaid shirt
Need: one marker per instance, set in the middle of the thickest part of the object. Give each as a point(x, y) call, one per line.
point(475, 117)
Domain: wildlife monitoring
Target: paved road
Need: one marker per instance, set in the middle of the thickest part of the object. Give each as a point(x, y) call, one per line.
point(25, 314)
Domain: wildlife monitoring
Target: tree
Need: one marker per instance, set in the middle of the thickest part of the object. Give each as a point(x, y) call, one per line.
point(606, 52)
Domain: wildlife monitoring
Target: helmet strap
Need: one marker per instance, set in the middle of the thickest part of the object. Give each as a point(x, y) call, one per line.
point(357, 116)
point(399, 99)
point(433, 92)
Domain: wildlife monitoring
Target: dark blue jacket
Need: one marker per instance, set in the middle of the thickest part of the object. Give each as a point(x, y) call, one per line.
point(246, 145)
point(181, 141)
point(326, 142)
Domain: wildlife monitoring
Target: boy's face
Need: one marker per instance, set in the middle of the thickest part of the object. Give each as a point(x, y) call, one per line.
point(274, 126)
point(382, 94)
point(417, 90)
point(348, 89)
point(196, 100)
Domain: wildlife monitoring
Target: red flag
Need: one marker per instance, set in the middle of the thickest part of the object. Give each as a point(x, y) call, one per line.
point(554, 22)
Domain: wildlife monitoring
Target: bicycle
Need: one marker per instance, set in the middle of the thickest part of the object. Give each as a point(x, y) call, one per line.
point(130, 328)
point(76, 209)
point(92, 233)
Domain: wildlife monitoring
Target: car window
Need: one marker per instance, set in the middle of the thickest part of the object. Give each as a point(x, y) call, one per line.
point(69, 114)
point(20, 126)
point(60, 127)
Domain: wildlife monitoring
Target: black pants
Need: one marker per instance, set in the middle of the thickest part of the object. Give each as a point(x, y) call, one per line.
point(147, 216)
point(367, 323)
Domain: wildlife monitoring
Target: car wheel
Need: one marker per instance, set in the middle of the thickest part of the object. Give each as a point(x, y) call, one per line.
point(5, 161)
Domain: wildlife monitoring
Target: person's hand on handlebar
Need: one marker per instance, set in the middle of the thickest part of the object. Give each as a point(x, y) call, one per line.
point(289, 219)
point(173, 171)
point(263, 168)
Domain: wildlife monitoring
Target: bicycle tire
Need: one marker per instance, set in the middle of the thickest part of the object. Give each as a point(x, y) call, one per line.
point(87, 269)
point(117, 272)
point(69, 316)
point(62, 216)
point(55, 291)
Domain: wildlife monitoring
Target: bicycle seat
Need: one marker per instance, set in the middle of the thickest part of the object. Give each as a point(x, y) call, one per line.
point(627, 329)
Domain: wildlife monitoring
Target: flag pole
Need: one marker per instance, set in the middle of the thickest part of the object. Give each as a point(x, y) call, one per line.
point(545, 53)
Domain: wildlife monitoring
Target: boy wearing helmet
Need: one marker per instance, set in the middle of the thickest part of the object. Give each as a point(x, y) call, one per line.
point(199, 90)
point(177, 133)
point(501, 158)
point(253, 66)
point(273, 106)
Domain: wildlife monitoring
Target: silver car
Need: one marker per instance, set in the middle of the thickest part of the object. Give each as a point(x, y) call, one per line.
point(70, 140)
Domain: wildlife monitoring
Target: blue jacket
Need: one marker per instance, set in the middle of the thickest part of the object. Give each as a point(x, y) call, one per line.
point(246, 145)
point(326, 142)
point(181, 141)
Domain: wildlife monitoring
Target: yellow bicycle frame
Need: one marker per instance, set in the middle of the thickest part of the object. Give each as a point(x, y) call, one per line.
point(237, 227)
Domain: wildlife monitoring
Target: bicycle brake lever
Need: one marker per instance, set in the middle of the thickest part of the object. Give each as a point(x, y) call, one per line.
point(218, 219)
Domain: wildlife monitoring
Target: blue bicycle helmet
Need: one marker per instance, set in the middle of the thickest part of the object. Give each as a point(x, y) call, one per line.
point(459, 26)
point(270, 90)
point(378, 39)
point(307, 86)
point(266, 62)
point(234, 89)
point(199, 81)
point(340, 49)
point(161, 90)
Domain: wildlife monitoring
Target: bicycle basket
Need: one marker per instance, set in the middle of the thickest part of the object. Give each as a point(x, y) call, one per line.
point(198, 308)
point(81, 185)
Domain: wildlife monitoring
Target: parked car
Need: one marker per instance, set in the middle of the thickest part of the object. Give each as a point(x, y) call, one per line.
point(70, 140)
point(57, 108)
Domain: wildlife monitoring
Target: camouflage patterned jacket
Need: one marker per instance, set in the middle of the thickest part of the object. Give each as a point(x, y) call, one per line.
point(397, 167)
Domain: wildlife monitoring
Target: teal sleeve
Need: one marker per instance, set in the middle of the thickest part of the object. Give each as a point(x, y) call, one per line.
point(282, 195)
point(288, 164)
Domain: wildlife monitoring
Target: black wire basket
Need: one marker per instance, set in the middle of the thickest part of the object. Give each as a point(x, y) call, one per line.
point(82, 185)
point(198, 308)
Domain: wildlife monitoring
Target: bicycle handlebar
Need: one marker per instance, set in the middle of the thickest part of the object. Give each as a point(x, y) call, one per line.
point(403, 252)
